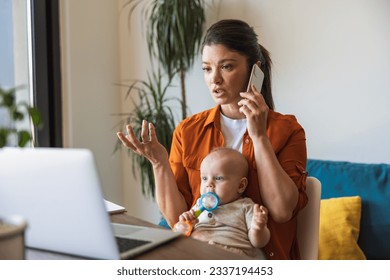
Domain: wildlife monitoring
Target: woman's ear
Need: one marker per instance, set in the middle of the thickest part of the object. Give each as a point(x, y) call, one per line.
point(243, 184)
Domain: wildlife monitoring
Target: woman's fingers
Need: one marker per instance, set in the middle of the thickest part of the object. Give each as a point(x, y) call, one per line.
point(125, 141)
point(252, 100)
point(148, 146)
point(129, 140)
point(253, 106)
point(132, 138)
point(152, 133)
point(122, 138)
point(144, 131)
point(148, 135)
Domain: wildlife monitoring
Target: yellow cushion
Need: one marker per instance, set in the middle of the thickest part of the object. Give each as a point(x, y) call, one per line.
point(339, 229)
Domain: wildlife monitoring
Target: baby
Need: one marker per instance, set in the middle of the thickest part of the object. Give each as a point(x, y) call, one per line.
point(238, 224)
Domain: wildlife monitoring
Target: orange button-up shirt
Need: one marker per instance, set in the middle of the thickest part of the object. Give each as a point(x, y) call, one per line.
point(197, 135)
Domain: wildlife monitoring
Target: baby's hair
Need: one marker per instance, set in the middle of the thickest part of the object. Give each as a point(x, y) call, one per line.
point(242, 161)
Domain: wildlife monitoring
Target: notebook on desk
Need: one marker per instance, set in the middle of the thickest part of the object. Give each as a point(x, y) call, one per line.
point(58, 191)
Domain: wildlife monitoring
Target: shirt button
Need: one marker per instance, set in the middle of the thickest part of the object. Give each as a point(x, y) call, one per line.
point(271, 254)
point(247, 140)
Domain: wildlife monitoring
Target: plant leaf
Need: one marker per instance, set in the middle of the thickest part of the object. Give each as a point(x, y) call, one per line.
point(3, 137)
point(23, 138)
point(35, 116)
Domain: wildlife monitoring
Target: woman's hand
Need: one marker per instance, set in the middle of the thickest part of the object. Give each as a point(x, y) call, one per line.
point(168, 197)
point(255, 109)
point(149, 146)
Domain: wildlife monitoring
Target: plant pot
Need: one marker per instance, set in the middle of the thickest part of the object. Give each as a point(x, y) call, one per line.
point(12, 244)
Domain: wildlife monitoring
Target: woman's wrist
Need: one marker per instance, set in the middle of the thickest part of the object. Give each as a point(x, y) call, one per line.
point(260, 140)
point(161, 164)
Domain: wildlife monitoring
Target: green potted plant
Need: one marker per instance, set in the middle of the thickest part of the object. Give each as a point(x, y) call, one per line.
point(174, 30)
point(17, 112)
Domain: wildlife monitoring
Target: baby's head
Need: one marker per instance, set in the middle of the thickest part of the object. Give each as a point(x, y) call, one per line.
point(223, 171)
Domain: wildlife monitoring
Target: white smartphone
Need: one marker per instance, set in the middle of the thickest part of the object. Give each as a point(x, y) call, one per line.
point(256, 78)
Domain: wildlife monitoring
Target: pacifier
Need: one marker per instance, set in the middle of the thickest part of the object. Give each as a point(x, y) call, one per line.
point(208, 201)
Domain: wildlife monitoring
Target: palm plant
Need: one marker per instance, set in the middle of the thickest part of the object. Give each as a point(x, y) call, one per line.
point(174, 34)
point(17, 112)
point(150, 102)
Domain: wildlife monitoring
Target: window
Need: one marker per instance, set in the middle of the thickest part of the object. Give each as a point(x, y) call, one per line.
point(30, 57)
point(15, 54)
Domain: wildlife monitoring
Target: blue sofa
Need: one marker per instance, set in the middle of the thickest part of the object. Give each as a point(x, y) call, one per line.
point(372, 183)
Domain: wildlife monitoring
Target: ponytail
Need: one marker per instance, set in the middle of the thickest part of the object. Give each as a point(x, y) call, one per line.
point(266, 89)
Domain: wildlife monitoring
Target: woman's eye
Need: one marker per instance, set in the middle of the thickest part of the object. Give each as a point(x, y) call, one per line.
point(227, 67)
point(206, 69)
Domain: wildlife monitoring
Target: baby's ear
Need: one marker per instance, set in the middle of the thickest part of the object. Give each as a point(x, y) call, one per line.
point(243, 184)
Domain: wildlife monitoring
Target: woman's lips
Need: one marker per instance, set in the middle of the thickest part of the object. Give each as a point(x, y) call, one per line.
point(218, 92)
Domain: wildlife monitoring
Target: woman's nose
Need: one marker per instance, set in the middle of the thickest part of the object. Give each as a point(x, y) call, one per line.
point(216, 78)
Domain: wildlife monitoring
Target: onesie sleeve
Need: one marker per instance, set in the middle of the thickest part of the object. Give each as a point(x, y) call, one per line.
point(247, 208)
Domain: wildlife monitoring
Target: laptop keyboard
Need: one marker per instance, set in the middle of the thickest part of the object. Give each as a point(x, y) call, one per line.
point(125, 244)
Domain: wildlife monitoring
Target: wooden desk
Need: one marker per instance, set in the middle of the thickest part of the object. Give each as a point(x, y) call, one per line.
point(181, 248)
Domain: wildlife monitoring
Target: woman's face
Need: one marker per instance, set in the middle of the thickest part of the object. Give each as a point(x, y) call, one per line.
point(225, 73)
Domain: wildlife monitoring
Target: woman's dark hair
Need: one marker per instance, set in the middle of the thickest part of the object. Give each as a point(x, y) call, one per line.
point(237, 35)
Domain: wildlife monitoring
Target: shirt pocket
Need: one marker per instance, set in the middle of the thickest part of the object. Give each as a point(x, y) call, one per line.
point(192, 166)
point(192, 162)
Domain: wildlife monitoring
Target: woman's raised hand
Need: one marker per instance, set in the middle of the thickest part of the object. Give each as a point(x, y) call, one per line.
point(148, 147)
point(255, 109)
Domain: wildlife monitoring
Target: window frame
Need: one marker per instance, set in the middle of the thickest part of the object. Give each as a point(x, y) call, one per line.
point(46, 71)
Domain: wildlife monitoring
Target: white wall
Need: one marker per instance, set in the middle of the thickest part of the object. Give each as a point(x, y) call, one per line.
point(90, 69)
point(331, 70)
point(134, 64)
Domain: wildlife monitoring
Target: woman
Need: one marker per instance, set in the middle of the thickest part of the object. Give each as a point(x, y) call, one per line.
point(274, 144)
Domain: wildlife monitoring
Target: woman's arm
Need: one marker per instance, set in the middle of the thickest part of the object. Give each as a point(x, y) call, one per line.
point(170, 201)
point(278, 191)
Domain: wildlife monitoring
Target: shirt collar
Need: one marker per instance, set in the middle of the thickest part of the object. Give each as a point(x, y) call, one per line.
point(214, 116)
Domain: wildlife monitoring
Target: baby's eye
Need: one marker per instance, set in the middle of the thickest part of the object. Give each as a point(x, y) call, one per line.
point(218, 178)
point(204, 178)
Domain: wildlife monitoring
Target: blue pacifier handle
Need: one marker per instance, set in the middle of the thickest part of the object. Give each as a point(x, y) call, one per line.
point(209, 201)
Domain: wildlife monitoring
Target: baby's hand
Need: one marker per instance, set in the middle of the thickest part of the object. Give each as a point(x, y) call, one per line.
point(260, 217)
point(188, 216)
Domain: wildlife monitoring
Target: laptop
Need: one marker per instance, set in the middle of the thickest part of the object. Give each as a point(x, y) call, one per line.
point(58, 191)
